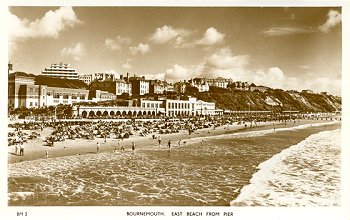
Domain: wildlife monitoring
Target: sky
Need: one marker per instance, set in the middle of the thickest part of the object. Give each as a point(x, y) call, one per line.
point(281, 47)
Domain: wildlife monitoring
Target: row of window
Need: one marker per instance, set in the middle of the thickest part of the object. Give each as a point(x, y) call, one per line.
point(31, 104)
point(142, 86)
point(176, 105)
point(151, 105)
point(120, 91)
point(60, 70)
point(65, 96)
point(35, 90)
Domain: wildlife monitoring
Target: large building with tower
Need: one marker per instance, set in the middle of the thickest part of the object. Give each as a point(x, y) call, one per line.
point(31, 91)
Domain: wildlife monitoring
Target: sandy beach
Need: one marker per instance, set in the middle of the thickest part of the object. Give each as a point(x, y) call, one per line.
point(36, 149)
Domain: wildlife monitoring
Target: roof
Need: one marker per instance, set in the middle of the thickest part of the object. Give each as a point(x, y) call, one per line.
point(21, 74)
point(59, 82)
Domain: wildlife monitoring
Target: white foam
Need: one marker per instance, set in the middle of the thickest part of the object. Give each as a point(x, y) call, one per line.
point(17, 195)
point(305, 174)
point(245, 134)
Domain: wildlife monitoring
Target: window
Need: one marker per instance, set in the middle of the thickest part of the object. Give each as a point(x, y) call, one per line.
point(65, 96)
point(30, 103)
point(31, 90)
point(48, 94)
point(143, 105)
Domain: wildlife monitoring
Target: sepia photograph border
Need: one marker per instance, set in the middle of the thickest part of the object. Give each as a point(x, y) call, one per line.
point(120, 212)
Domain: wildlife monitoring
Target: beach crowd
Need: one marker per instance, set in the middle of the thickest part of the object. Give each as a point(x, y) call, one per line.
point(60, 130)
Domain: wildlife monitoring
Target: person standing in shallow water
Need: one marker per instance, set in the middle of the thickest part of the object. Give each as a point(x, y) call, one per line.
point(159, 140)
point(98, 147)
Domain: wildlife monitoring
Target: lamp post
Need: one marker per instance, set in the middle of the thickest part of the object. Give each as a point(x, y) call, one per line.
point(55, 112)
point(249, 111)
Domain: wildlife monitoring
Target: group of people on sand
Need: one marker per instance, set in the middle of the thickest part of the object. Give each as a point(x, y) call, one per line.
point(61, 130)
point(19, 149)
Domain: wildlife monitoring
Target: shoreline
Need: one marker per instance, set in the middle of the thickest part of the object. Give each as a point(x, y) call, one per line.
point(35, 149)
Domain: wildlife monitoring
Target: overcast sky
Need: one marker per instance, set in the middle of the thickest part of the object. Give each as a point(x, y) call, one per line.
point(287, 48)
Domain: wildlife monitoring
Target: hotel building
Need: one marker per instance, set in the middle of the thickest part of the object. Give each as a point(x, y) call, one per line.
point(61, 70)
point(243, 86)
point(219, 82)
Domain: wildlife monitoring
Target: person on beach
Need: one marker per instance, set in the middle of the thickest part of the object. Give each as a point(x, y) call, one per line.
point(202, 143)
point(159, 140)
point(21, 150)
point(133, 147)
point(47, 154)
point(169, 144)
point(179, 142)
point(115, 150)
point(122, 149)
point(118, 143)
point(98, 147)
point(16, 148)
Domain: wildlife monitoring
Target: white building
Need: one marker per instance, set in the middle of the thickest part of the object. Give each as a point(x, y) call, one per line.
point(173, 108)
point(86, 78)
point(23, 92)
point(98, 95)
point(123, 87)
point(200, 83)
point(61, 70)
point(205, 108)
point(139, 85)
point(219, 82)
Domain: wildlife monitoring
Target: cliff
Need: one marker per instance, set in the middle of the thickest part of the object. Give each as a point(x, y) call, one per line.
point(272, 99)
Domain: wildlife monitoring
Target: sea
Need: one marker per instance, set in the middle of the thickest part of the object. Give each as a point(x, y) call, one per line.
point(297, 166)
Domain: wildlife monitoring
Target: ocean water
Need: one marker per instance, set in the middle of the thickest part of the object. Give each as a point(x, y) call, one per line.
point(214, 173)
point(305, 174)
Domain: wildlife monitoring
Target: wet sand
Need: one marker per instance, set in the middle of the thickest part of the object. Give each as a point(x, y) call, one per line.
point(36, 149)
